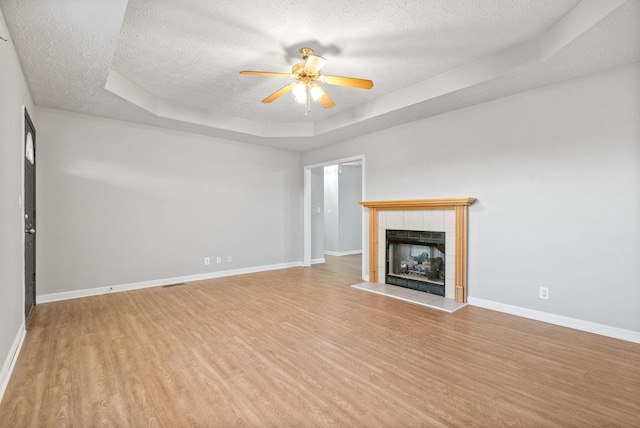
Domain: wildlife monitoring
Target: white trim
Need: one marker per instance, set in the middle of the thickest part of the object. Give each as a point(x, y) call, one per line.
point(66, 295)
point(342, 253)
point(307, 207)
point(318, 261)
point(365, 225)
point(10, 361)
point(306, 244)
point(588, 326)
point(23, 263)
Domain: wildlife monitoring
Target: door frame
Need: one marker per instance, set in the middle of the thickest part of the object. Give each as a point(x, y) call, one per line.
point(307, 212)
point(27, 117)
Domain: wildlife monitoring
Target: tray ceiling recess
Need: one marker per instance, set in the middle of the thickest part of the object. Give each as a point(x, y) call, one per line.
point(176, 63)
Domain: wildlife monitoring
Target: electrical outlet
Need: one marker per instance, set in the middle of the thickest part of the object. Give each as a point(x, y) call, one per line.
point(544, 293)
point(207, 261)
point(219, 260)
point(229, 259)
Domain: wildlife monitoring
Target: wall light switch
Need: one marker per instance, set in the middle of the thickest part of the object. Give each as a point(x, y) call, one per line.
point(328, 210)
point(219, 260)
point(319, 210)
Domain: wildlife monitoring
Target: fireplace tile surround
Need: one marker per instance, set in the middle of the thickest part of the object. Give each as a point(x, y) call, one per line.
point(437, 215)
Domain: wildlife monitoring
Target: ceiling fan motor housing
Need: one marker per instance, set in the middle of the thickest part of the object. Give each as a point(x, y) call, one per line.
point(305, 52)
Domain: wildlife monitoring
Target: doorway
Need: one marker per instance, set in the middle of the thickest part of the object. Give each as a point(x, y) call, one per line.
point(328, 229)
point(29, 143)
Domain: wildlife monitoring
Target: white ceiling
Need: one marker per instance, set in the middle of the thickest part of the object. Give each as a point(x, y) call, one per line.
point(175, 63)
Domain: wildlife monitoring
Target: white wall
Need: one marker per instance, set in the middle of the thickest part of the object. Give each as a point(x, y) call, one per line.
point(342, 211)
point(557, 175)
point(350, 218)
point(122, 203)
point(14, 93)
point(331, 209)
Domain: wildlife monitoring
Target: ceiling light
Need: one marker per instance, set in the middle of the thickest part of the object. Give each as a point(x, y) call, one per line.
point(316, 92)
point(307, 73)
point(300, 91)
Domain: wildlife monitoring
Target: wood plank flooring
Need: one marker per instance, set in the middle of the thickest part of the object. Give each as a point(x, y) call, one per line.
point(300, 348)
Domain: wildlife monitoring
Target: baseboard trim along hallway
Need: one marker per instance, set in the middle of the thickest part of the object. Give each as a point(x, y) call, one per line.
point(10, 361)
point(590, 327)
point(66, 295)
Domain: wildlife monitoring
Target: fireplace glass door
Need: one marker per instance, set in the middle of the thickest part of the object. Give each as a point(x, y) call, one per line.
point(416, 260)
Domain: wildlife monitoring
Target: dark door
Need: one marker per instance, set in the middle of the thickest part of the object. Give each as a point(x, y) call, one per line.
point(29, 214)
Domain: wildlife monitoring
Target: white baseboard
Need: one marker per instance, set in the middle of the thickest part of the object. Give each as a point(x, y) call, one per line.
point(318, 261)
point(66, 295)
point(10, 361)
point(342, 253)
point(588, 326)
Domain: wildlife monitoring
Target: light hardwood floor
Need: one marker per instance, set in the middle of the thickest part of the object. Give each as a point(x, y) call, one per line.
point(299, 347)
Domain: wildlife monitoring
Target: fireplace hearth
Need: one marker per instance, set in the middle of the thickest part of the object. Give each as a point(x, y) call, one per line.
point(416, 259)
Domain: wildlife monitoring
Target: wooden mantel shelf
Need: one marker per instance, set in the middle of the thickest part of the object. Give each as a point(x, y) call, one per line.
point(460, 205)
point(420, 204)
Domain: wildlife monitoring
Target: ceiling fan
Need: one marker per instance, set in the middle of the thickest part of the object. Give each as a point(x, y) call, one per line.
point(308, 79)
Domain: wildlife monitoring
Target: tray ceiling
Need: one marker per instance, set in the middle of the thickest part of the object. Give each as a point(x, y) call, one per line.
point(175, 63)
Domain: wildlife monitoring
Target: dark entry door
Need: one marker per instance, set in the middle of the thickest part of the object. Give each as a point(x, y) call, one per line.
point(29, 214)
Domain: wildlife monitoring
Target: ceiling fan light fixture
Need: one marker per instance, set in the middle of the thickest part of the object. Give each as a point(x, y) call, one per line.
point(300, 92)
point(316, 92)
point(306, 74)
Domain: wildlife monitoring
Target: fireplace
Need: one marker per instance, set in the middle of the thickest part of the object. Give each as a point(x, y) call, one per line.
point(441, 215)
point(416, 259)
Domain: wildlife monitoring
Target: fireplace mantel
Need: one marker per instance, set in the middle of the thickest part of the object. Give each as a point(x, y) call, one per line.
point(460, 205)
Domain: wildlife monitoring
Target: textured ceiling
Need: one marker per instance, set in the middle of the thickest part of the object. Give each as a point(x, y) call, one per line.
point(175, 63)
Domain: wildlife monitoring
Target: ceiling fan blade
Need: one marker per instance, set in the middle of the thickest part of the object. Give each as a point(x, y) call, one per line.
point(266, 73)
point(351, 82)
point(280, 92)
point(324, 99)
point(313, 64)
